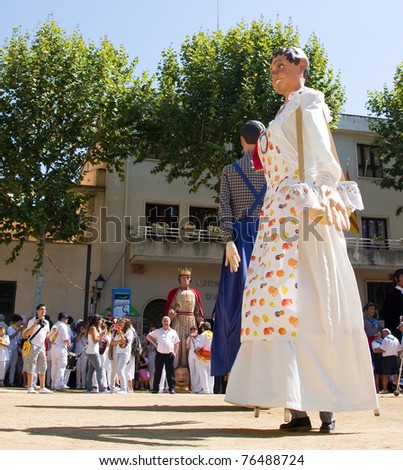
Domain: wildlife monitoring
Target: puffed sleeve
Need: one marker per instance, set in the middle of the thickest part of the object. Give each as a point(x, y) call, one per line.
point(320, 164)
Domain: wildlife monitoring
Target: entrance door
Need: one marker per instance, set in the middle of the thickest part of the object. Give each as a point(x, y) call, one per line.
point(153, 314)
point(7, 298)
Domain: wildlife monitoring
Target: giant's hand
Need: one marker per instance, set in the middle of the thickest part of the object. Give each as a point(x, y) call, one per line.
point(232, 257)
point(335, 209)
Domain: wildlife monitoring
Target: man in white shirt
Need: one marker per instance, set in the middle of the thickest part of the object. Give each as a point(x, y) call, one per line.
point(60, 350)
point(391, 349)
point(166, 342)
point(37, 330)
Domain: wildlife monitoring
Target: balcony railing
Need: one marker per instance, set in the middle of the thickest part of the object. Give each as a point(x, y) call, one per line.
point(370, 243)
point(176, 234)
point(366, 252)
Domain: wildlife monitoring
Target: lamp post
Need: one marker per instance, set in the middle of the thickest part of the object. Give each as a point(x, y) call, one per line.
point(99, 284)
point(87, 282)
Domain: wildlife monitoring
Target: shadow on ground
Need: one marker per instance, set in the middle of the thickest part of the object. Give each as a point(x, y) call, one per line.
point(158, 435)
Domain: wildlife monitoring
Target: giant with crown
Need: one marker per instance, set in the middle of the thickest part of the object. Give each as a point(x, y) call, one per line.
point(184, 308)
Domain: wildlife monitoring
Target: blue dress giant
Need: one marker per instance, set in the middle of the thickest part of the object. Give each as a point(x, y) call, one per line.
point(228, 307)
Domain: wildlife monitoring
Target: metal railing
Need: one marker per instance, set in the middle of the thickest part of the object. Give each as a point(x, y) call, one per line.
point(370, 243)
point(171, 233)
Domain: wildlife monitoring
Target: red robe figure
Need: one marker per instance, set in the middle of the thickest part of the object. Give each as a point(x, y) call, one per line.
point(184, 308)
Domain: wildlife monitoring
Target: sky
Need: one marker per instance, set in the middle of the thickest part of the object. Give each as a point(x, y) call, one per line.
point(363, 39)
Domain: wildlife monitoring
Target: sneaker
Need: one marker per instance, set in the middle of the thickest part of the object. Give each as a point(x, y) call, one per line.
point(172, 392)
point(154, 391)
point(383, 392)
point(45, 390)
point(92, 391)
point(327, 428)
point(31, 390)
point(122, 391)
point(60, 389)
point(36, 387)
point(297, 425)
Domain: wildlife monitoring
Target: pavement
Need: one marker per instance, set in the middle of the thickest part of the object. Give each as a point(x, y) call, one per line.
point(76, 420)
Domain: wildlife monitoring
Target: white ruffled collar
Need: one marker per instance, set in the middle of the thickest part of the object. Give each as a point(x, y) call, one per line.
point(294, 102)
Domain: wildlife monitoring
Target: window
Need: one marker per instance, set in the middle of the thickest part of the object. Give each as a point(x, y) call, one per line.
point(202, 217)
point(369, 163)
point(374, 228)
point(162, 214)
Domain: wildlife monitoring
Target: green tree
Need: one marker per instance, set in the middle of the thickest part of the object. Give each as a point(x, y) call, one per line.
point(207, 91)
point(63, 103)
point(387, 109)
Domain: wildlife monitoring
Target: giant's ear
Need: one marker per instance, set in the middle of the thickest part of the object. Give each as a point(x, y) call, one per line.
point(303, 64)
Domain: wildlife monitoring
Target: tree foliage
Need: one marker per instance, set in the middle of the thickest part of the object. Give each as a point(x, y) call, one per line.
point(387, 107)
point(211, 87)
point(63, 103)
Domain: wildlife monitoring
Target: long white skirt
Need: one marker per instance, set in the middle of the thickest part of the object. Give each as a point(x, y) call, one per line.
point(328, 367)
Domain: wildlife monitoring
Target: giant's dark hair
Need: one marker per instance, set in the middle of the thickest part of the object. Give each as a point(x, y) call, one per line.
point(293, 55)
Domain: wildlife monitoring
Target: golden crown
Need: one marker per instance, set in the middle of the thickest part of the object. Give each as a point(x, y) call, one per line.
point(185, 271)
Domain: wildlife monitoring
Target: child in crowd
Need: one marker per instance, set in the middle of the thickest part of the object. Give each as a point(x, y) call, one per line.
point(144, 374)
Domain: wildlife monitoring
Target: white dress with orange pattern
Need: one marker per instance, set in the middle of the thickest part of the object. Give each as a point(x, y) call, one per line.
point(303, 344)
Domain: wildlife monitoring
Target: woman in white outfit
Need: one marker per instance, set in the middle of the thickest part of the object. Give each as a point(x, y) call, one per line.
point(122, 344)
point(94, 336)
point(80, 348)
point(14, 333)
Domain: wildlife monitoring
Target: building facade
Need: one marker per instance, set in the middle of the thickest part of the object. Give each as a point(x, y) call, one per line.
point(144, 229)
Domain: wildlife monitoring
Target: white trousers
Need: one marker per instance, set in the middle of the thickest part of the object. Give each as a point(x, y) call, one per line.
point(194, 372)
point(59, 363)
point(3, 368)
point(206, 380)
point(12, 364)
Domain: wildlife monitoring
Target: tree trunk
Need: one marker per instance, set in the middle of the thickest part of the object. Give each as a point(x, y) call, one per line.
point(39, 270)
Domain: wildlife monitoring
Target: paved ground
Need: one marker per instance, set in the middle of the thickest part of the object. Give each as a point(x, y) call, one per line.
point(81, 421)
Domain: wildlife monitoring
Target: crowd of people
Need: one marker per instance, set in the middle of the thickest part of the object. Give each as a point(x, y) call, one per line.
point(105, 360)
point(102, 355)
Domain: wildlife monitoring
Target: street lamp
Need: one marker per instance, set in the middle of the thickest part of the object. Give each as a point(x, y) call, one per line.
point(99, 284)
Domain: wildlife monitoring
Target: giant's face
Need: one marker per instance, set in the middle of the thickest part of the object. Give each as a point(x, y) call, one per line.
point(185, 280)
point(286, 76)
point(182, 377)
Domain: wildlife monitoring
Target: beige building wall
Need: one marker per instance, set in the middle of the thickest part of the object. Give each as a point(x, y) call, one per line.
point(149, 268)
